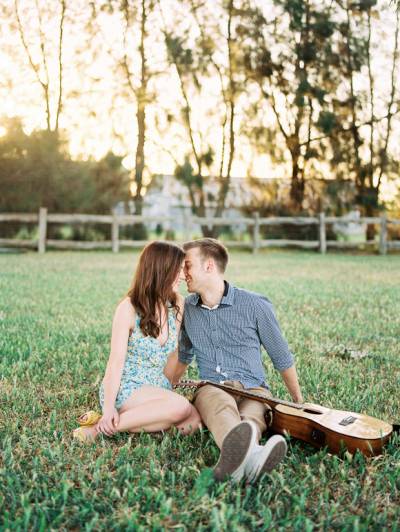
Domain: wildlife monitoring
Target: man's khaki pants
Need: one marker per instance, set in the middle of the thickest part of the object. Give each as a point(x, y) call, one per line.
point(221, 411)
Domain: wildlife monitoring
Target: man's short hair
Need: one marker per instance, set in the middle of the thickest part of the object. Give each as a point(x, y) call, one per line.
point(210, 248)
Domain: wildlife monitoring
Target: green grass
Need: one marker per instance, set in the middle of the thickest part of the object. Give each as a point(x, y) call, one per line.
point(55, 322)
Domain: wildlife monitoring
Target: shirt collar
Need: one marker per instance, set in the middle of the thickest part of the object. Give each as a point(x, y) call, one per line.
point(227, 297)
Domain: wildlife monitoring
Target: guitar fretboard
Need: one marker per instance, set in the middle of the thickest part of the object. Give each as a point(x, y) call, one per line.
point(271, 401)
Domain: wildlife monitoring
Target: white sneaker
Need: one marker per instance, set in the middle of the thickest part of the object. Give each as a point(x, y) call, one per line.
point(235, 451)
point(264, 458)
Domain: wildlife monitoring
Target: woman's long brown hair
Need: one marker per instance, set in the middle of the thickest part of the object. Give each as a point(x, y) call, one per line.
point(158, 267)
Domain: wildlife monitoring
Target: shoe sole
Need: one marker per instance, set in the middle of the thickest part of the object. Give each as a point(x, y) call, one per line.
point(276, 450)
point(235, 450)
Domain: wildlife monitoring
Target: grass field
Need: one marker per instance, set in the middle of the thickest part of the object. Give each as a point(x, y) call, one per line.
point(55, 322)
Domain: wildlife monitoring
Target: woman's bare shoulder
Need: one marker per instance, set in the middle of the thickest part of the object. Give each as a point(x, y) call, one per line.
point(125, 310)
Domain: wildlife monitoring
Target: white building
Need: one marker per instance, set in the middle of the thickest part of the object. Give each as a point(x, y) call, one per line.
point(169, 197)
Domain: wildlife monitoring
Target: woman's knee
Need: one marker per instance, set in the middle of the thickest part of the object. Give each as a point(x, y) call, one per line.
point(179, 410)
point(194, 415)
point(191, 424)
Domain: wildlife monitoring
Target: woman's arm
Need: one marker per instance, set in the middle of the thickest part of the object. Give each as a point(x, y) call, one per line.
point(124, 319)
point(180, 300)
point(173, 368)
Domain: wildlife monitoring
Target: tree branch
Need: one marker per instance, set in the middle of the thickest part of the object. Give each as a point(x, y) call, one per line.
point(392, 95)
point(46, 70)
point(30, 59)
point(60, 63)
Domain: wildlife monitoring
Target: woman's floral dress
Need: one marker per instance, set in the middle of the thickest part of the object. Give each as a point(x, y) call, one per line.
point(145, 361)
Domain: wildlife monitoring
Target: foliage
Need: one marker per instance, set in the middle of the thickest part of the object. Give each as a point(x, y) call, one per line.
point(54, 347)
point(37, 171)
point(393, 211)
point(288, 55)
point(212, 55)
point(363, 125)
point(311, 86)
point(333, 197)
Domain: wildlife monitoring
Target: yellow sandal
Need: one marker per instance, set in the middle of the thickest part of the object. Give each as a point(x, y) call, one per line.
point(81, 435)
point(89, 419)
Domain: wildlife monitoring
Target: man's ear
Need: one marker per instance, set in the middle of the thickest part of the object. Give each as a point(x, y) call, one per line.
point(210, 266)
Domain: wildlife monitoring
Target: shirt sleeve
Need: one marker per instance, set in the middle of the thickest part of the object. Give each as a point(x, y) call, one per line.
point(185, 347)
point(271, 337)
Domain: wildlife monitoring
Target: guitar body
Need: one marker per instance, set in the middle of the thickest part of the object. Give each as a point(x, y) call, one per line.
point(315, 424)
point(334, 429)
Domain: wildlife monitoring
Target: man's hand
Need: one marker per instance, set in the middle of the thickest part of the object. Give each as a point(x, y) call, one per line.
point(292, 384)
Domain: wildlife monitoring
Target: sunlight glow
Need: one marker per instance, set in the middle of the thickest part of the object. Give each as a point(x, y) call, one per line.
point(99, 109)
point(133, 188)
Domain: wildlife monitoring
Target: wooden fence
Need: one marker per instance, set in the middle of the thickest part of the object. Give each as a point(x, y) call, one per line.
point(255, 223)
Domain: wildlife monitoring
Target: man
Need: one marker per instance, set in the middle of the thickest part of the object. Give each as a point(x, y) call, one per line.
point(224, 328)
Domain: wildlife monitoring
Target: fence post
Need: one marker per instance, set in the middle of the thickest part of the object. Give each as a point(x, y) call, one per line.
point(383, 235)
point(115, 233)
point(322, 233)
point(256, 233)
point(42, 230)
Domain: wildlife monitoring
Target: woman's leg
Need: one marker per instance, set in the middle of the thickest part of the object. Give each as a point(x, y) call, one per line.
point(153, 409)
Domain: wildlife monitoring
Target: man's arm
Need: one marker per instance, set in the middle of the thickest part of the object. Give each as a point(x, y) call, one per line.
point(277, 348)
point(291, 381)
point(271, 336)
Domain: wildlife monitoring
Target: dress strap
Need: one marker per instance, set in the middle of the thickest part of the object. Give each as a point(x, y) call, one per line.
point(172, 320)
point(138, 330)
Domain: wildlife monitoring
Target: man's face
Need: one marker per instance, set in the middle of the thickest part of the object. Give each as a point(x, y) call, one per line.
point(195, 270)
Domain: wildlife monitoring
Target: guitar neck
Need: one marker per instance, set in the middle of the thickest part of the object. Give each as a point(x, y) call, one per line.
point(271, 401)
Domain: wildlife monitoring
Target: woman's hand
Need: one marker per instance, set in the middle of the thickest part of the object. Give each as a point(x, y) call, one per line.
point(108, 423)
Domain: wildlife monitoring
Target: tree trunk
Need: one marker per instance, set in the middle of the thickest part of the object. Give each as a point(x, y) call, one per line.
point(297, 185)
point(140, 231)
point(139, 166)
point(371, 209)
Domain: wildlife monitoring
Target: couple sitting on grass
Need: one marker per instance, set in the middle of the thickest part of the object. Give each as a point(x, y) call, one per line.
point(223, 327)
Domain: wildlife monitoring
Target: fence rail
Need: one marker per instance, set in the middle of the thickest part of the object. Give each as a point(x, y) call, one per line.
point(255, 223)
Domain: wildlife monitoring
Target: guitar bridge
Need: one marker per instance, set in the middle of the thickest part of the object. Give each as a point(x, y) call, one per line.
point(347, 421)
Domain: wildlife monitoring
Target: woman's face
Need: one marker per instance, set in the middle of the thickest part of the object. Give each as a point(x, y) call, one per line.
point(180, 277)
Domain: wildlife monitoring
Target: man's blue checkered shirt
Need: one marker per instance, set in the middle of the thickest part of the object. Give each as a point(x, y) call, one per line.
point(226, 341)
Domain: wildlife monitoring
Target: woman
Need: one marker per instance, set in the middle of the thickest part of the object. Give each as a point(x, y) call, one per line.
point(136, 392)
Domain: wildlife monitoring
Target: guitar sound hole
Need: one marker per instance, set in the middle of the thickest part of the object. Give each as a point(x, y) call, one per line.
point(310, 411)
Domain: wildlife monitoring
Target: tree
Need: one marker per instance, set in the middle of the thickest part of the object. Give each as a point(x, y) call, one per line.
point(139, 87)
point(364, 118)
point(36, 171)
point(51, 85)
point(288, 55)
point(214, 52)
point(130, 50)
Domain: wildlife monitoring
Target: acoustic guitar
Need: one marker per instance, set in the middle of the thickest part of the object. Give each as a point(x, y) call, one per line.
point(315, 424)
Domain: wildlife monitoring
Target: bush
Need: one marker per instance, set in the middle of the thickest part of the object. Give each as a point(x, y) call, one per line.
point(37, 171)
